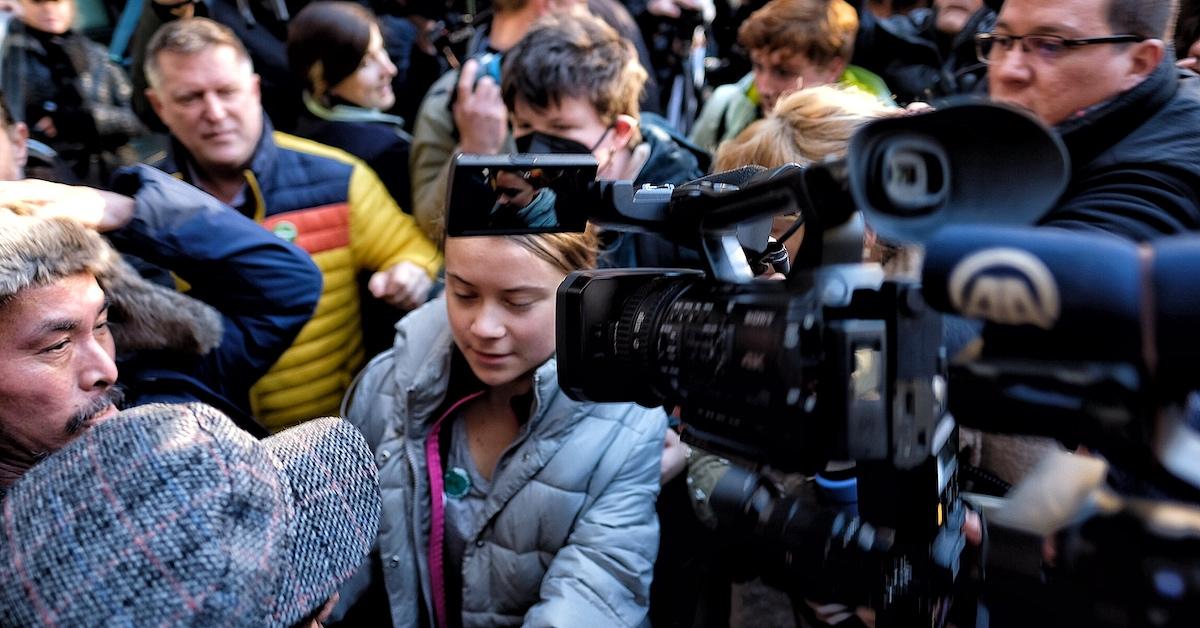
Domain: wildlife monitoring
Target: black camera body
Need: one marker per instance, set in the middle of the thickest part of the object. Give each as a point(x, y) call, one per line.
point(843, 371)
point(835, 364)
point(839, 363)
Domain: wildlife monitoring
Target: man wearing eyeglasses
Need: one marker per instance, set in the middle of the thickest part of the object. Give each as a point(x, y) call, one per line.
point(1095, 70)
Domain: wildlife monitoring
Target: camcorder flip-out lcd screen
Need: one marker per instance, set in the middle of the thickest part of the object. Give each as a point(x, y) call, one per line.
point(520, 193)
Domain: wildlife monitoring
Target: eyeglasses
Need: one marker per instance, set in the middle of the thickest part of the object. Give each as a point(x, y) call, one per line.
point(1047, 47)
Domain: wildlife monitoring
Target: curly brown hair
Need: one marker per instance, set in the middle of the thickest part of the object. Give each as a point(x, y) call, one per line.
point(822, 30)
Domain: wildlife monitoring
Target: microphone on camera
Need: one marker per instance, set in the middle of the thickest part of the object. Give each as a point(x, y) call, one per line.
point(1046, 293)
point(1054, 294)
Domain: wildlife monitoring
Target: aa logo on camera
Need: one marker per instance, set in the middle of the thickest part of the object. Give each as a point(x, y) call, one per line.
point(1007, 286)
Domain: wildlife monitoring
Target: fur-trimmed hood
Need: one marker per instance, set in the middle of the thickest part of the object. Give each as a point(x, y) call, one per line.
point(37, 251)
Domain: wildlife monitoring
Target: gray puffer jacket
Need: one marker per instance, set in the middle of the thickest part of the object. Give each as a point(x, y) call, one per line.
point(571, 532)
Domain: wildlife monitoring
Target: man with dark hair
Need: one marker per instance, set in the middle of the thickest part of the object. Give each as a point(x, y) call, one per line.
point(462, 112)
point(1096, 71)
point(572, 85)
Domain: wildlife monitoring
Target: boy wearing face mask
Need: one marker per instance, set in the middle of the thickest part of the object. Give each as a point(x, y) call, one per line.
point(572, 85)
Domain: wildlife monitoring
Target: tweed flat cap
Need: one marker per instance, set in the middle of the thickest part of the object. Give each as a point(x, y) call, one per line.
point(170, 515)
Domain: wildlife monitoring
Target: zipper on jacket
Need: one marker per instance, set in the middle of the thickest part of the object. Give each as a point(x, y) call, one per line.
point(417, 528)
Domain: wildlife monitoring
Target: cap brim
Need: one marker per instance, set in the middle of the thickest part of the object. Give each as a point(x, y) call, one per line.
point(335, 492)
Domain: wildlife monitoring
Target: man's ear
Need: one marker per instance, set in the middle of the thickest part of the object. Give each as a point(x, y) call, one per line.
point(20, 145)
point(1145, 57)
point(624, 128)
point(155, 103)
point(256, 86)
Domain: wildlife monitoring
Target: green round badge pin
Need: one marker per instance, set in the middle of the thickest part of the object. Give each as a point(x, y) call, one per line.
point(456, 482)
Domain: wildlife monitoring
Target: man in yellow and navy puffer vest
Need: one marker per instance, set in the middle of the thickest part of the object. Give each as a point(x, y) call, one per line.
point(332, 205)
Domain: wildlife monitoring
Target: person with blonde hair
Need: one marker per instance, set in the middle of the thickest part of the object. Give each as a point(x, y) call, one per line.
point(504, 501)
point(806, 127)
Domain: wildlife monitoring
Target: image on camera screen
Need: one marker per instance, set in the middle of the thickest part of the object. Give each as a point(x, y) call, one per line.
point(503, 195)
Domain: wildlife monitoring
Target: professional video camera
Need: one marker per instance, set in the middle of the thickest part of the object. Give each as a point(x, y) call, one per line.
point(835, 363)
point(1098, 354)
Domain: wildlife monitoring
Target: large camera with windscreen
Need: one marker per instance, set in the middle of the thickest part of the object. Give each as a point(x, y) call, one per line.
point(836, 362)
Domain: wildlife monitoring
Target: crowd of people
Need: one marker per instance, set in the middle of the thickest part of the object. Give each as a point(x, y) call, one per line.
point(214, 242)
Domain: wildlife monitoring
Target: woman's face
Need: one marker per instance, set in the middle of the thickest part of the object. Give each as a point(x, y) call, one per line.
point(371, 84)
point(500, 298)
point(49, 16)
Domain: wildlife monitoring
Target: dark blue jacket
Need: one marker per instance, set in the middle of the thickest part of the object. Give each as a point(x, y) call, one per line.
point(264, 288)
point(675, 160)
point(1136, 161)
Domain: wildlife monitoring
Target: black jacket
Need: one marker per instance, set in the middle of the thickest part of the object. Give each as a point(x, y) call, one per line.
point(672, 160)
point(1136, 161)
point(69, 79)
point(916, 61)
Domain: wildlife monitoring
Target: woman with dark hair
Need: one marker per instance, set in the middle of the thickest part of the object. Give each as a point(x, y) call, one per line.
point(337, 51)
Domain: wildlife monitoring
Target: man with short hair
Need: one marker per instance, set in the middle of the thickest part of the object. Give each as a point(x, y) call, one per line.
point(1096, 71)
point(793, 44)
point(68, 303)
point(332, 205)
